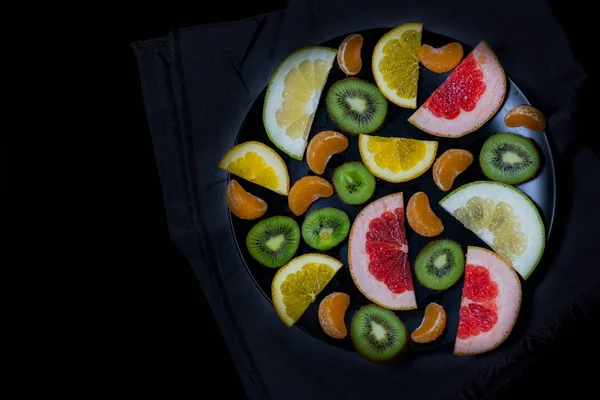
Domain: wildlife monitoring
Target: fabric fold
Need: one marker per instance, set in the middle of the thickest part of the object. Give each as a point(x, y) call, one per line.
point(198, 86)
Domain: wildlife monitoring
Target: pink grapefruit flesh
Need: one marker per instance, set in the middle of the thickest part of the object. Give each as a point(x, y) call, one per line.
point(490, 303)
point(378, 254)
point(467, 99)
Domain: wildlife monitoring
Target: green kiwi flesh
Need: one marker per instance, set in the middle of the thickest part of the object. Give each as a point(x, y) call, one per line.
point(353, 183)
point(378, 334)
point(440, 264)
point(509, 158)
point(325, 228)
point(356, 106)
point(273, 241)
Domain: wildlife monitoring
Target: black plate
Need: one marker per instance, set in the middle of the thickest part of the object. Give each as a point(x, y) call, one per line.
point(541, 190)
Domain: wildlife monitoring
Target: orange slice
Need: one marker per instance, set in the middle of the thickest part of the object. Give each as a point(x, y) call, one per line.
point(306, 191)
point(348, 56)
point(442, 59)
point(421, 217)
point(243, 204)
point(432, 326)
point(449, 165)
point(525, 116)
point(321, 147)
point(331, 314)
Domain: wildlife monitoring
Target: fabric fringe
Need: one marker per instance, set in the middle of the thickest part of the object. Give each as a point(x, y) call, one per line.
point(532, 343)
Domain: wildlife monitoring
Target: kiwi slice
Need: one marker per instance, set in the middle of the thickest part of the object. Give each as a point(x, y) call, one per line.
point(353, 183)
point(509, 158)
point(273, 241)
point(377, 333)
point(356, 106)
point(325, 228)
point(440, 264)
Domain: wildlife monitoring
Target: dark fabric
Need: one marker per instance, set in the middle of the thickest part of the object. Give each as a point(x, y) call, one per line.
point(232, 62)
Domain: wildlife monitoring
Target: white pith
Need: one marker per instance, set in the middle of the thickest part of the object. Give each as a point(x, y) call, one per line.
point(530, 221)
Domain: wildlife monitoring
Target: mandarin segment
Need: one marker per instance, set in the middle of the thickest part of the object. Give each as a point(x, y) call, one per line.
point(432, 326)
point(421, 217)
point(243, 204)
point(442, 59)
point(348, 56)
point(322, 147)
point(331, 314)
point(449, 165)
point(306, 191)
point(526, 116)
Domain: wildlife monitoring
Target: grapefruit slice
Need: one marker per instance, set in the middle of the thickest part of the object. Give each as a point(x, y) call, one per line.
point(504, 218)
point(293, 96)
point(378, 254)
point(467, 99)
point(490, 303)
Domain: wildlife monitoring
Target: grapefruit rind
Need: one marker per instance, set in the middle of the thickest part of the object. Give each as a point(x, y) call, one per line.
point(530, 219)
point(508, 302)
point(358, 260)
point(274, 98)
point(467, 122)
point(401, 176)
point(268, 154)
point(378, 55)
point(294, 265)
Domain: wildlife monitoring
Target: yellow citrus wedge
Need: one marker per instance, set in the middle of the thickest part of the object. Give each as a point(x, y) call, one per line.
point(297, 284)
point(396, 159)
point(396, 64)
point(259, 164)
point(293, 96)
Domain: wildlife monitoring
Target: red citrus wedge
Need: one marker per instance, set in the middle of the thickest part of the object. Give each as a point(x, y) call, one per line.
point(467, 99)
point(490, 303)
point(378, 254)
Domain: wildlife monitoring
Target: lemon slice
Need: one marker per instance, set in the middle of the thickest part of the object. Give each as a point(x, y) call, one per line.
point(396, 64)
point(293, 96)
point(396, 159)
point(297, 284)
point(257, 163)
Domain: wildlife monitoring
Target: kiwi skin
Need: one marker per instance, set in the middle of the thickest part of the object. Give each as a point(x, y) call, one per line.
point(392, 360)
point(533, 144)
point(339, 197)
point(385, 117)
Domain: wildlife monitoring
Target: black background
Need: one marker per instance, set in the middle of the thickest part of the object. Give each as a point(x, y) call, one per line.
point(173, 314)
